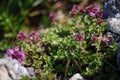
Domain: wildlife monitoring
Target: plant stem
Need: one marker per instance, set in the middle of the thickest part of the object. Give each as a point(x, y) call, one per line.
point(67, 65)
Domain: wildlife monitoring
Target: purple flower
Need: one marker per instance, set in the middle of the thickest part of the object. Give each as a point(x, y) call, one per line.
point(10, 52)
point(97, 7)
point(15, 53)
point(22, 35)
point(53, 17)
point(92, 10)
point(79, 37)
point(22, 53)
point(34, 37)
point(94, 37)
point(19, 60)
point(33, 33)
point(99, 14)
point(16, 48)
point(91, 14)
point(19, 56)
point(83, 9)
point(75, 10)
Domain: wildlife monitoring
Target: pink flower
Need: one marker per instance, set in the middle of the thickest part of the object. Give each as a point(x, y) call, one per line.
point(15, 53)
point(99, 14)
point(53, 17)
point(92, 10)
point(34, 37)
point(33, 33)
point(19, 60)
point(22, 35)
point(91, 14)
point(79, 37)
point(75, 10)
point(16, 48)
point(22, 53)
point(10, 52)
point(83, 9)
point(94, 37)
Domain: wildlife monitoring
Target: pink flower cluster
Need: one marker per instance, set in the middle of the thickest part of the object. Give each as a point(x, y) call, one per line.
point(94, 37)
point(15, 53)
point(22, 35)
point(94, 10)
point(53, 17)
point(91, 10)
point(105, 39)
point(79, 37)
point(75, 10)
point(32, 37)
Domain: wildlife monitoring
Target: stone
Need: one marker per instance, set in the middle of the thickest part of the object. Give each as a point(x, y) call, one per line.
point(114, 25)
point(11, 69)
point(112, 10)
point(3, 73)
point(31, 72)
point(77, 76)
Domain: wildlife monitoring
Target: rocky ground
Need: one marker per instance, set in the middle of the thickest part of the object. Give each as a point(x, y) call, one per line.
point(11, 69)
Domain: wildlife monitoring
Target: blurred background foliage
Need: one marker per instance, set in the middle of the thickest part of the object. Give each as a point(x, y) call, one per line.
point(26, 15)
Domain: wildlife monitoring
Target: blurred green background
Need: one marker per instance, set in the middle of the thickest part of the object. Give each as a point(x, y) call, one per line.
point(27, 15)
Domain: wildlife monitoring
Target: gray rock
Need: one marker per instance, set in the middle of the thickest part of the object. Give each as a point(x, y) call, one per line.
point(112, 8)
point(77, 76)
point(114, 25)
point(11, 69)
point(31, 72)
point(3, 73)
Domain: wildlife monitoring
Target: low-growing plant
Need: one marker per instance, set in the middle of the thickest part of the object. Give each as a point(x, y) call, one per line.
point(78, 46)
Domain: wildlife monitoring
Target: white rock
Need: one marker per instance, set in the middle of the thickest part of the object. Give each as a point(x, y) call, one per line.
point(12, 68)
point(31, 72)
point(77, 76)
point(3, 73)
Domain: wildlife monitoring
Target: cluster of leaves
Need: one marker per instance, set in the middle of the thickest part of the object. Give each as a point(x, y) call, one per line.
point(78, 46)
point(69, 55)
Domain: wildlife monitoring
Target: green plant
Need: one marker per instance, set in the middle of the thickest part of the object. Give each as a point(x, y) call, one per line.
point(68, 56)
point(78, 46)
